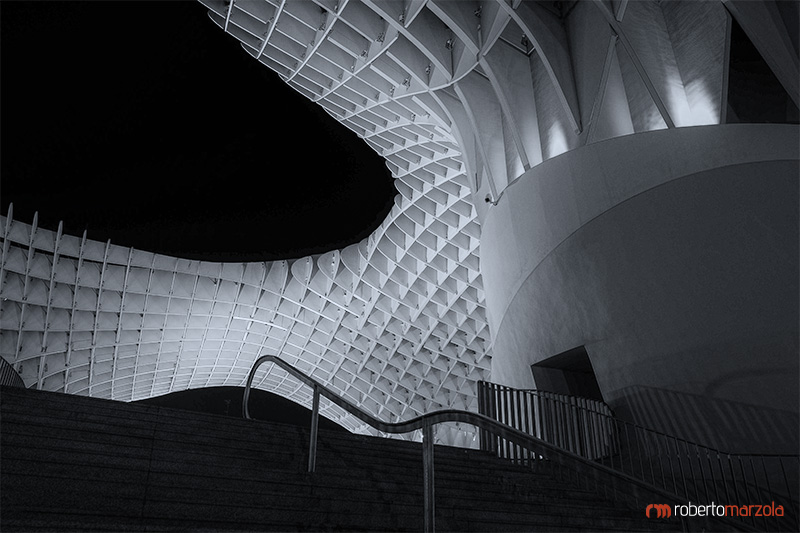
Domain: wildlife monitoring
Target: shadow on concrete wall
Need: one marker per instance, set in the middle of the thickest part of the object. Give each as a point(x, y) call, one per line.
point(721, 424)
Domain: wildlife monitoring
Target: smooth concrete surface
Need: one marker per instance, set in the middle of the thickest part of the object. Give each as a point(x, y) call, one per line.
point(673, 257)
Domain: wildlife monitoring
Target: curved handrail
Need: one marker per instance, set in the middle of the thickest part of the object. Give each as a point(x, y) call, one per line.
point(436, 417)
point(537, 446)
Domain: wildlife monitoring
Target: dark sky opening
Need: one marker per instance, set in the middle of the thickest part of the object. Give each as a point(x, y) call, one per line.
point(146, 124)
point(755, 95)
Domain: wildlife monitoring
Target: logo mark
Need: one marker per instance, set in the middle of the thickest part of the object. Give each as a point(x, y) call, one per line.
point(662, 510)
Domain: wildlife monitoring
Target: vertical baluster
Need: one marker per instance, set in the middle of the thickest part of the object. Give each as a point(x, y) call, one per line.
point(770, 496)
point(563, 409)
point(566, 416)
point(639, 450)
point(657, 440)
point(542, 420)
point(559, 423)
point(506, 444)
point(746, 485)
point(589, 430)
point(646, 441)
point(427, 477)
point(691, 472)
point(504, 418)
point(594, 431)
point(583, 433)
point(722, 476)
point(702, 472)
point(757, 488)
point(578, 427)
point(502, 409)
point(736, 498)
point(548, 418)
point(620, 426)
point(713, 495)
point(551, 437)
point(518, 420)
point(581, 423)
point(312, 444)
point(612, 448)
point(545, 416)
point(532, 422)
point(680, 466)
point(496, 415)
point(528, 422)
point(629, 448)
point(482, 410)
point(671, 466)
point(525, 413)
point(510, 420)
point(608, 432)
point(515, 448)
point(566, 408)
point(551, 422)
point(499, 416)
point(789, 491)
point(575, 425)
point(560, 419)
point(598, 433)
point(487, 405)
point(512, 397)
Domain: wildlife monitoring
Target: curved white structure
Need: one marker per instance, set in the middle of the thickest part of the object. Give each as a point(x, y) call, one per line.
point(465, 100)
point(86, 317)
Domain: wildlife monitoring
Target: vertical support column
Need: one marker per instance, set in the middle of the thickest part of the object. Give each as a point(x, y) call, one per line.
point(74, 310)
point(50, 291)
point(493, 412)
point(427, 476)
point(484, 443)
point(312, 445)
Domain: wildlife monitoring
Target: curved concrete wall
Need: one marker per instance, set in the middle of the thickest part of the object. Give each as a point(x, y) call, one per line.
point(672, 256)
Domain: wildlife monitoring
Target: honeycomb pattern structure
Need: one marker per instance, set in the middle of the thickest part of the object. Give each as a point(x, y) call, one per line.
point(460, 98)
point(396, 323)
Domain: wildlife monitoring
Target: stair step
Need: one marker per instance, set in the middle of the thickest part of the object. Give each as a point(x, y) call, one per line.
point(82, 464)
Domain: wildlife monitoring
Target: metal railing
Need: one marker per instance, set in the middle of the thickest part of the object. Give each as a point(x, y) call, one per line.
point(566, 466)
point(695, 472)
point(580, 425)
point(9, 376)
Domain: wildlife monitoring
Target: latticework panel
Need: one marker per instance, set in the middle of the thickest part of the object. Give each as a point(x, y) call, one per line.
point(93, 318)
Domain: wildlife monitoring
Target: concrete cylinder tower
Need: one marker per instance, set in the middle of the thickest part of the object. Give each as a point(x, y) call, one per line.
point(651, 259)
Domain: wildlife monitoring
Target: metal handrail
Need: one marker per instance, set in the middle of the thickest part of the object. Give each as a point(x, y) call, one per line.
point(605, 478)
point(671, 463)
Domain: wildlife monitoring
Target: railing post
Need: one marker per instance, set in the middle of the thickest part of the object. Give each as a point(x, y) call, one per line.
point(427, 476)
point(312, 444)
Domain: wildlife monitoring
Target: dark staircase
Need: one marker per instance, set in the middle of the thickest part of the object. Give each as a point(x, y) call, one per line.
point(71, 463)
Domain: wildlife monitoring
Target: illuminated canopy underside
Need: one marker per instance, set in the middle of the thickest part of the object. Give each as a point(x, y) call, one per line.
point(460, 98)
